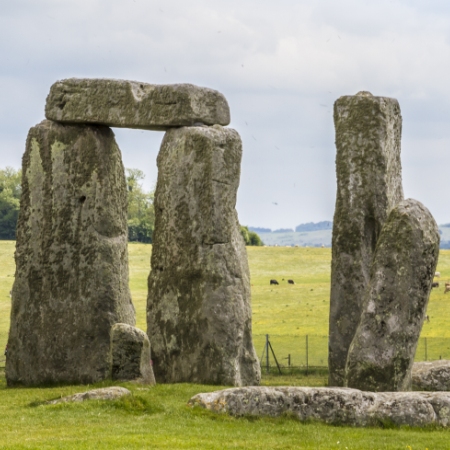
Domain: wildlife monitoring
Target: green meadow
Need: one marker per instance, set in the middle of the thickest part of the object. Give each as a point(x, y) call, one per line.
point(158, 417)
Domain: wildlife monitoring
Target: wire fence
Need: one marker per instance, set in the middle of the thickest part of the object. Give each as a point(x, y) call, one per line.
point(308, 351)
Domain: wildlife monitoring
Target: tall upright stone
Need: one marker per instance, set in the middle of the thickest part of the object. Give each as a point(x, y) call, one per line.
point(382, 352)
point(71, 282)
point(198, 311)
point(368, 132)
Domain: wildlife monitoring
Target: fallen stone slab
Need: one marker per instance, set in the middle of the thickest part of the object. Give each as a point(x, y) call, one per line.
point(71, 280)
point(130, 354)
point(431, 375)
point(131, 104)
point(369, 185)
point(382, 352)
point(198, 309)
point(335, 406)
point(109, 393)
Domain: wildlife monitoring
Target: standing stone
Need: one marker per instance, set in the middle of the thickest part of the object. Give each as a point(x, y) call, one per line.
point(198, 311)
point(369, 185)
point(131, 104)
point(71, 282)
point(130, 354)
point(382, 352)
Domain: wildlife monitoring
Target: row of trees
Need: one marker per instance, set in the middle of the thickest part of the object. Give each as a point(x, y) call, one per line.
point(10, 191)
point(141, 213)
point(250, 237)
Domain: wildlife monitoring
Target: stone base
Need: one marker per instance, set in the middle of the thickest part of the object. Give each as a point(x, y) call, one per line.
point(335, 406)
point(130, 354)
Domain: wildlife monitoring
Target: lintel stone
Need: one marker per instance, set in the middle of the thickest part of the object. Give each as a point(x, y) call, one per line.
point(131, 104)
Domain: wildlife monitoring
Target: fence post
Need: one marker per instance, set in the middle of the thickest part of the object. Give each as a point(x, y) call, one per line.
point(267, 353)
point(426, 350)
point(307, 363)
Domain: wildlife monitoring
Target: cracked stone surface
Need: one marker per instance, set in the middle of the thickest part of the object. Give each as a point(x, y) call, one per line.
point(132, 104)
point(335, 406)
point(130, 354)
point(369, 185)
point(198, 311)
point(431, 375)
point(71, 281)
point(382, 352)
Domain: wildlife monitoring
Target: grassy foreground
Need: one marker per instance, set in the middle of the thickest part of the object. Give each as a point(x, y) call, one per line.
point(158, 417)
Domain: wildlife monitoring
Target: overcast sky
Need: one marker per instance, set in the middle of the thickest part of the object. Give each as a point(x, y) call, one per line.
point(281, 65)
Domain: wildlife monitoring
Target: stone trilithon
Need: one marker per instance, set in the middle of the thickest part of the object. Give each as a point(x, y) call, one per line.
point(72, 317)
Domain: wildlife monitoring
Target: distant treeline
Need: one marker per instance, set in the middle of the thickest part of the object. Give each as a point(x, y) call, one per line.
point(303, 227)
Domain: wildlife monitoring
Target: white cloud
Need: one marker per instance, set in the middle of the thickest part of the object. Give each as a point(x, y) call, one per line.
point(281, 65)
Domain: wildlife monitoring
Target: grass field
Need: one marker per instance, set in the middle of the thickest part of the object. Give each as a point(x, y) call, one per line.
point(157, 417)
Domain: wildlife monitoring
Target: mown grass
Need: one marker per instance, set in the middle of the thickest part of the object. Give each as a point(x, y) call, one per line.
point(158, 417)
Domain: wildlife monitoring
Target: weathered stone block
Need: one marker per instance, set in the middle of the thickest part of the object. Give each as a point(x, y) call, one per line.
point(382, 352)
point(130, 354)
point(368, 168)
point(71, 282)
point(431, 375)
point(131, 104)
point(198, 311)
point(109, 393)
point(336, 406)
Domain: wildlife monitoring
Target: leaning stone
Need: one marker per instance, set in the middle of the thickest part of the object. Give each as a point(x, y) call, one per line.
point(335, 406)
point(130, 354)
point(431, 375)
point(198, 310)
point(369, 185)
point(71, 281)
point(109, 393)
point(131, 104)
point(382, 352)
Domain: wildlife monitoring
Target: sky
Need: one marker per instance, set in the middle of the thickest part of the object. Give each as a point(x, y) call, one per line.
point(280, 64)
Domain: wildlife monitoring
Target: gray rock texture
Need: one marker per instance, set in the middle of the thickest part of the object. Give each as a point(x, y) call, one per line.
point(382, 352)
point(368, 168)
point(198, 311)
point(131, 104)
point(431, 375)
point(130, 354)
point(71, 281)
point(109, 393)
point(336, 406)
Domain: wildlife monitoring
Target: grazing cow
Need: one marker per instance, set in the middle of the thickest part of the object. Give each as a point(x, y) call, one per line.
point(434, 284)
point(274, 282)
point(291, 281)
point(447, 288)
point(437, 274)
